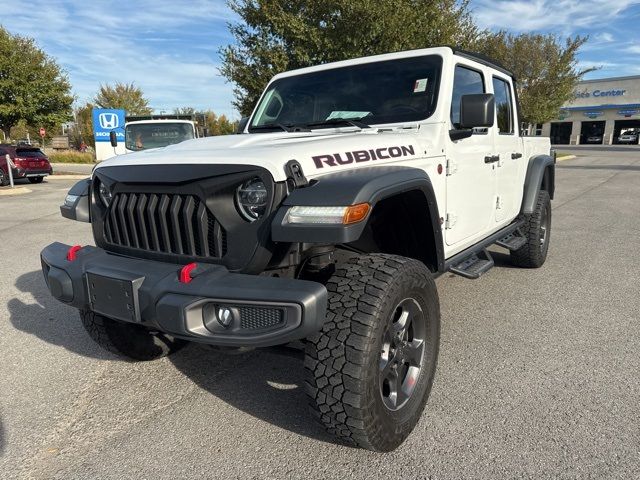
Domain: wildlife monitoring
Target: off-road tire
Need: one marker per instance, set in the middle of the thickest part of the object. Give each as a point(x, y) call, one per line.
point(342, 362)
point(537, 230)
point(128, 340)
point(35, 179)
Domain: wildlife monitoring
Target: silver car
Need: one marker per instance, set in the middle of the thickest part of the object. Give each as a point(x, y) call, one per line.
point(628, 137)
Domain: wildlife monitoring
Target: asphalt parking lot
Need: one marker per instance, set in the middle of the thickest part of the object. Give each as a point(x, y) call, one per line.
point(538, 377)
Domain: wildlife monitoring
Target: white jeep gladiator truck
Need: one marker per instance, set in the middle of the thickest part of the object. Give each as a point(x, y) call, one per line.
point(351, 188)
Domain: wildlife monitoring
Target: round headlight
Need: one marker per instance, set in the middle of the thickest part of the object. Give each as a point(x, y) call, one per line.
point(251, 199)
point(105, 194)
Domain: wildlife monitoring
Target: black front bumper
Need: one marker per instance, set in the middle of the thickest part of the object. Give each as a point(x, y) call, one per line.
point(265, 311)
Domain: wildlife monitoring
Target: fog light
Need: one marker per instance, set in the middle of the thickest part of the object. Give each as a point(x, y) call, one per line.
point(224, 316)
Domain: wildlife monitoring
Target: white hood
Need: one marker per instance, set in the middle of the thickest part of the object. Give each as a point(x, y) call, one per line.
point(273, 150)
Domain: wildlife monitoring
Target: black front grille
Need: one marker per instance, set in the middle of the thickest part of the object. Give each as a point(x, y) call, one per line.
point(166, 223)
point(257, 318)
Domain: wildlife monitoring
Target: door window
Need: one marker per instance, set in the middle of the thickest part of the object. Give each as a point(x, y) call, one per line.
point(504, 106)
point(465, 82)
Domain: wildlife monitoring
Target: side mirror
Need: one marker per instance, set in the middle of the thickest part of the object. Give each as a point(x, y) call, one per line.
point(76, 203)
point(477, 110)
point(113, 138)
point(242, 124)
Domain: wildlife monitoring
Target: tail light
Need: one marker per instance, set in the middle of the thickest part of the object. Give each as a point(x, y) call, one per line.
point(17, 161)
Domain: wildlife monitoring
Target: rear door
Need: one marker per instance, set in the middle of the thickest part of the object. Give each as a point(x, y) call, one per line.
point(470, 181)
point(507, 144)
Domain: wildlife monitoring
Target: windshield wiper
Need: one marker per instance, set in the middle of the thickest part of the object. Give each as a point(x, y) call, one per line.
point(286, 127)
point(354, 122)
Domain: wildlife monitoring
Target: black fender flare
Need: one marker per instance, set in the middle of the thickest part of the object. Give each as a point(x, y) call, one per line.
point(79, 210)
point(368, 184)
point(536, 169)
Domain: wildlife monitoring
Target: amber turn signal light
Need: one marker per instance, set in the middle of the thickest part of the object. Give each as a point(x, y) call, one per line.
point(355, 213)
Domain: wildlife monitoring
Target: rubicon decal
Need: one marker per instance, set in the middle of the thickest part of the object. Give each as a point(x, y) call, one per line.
point(358, 156)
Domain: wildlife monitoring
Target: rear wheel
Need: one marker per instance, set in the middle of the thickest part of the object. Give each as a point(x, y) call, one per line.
point(127, 339)
point(370, 370)
point(36, 179)
point(537, 230)
point(4, 178)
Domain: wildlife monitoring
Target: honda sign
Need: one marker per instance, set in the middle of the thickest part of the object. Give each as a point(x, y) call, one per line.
point(105, 121)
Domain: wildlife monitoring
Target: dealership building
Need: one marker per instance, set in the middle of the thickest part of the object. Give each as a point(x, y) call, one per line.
point(601, 111)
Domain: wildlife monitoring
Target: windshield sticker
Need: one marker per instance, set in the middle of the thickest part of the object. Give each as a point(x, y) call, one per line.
point(358, 156)
point(347, 114)
point(420, 85)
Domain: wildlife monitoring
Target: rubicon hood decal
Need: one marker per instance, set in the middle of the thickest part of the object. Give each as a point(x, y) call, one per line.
point(358, 156)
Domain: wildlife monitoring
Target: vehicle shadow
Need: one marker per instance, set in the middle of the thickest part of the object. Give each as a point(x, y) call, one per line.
point(50, 320)
point(502, 260)
point(264, 384)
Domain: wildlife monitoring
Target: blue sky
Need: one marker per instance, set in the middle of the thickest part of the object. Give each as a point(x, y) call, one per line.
point(170, 48)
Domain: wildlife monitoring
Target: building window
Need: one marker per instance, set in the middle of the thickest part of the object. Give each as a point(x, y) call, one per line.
point(538, 129)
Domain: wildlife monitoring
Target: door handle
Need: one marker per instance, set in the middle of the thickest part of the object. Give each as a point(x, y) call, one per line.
point(492, 159)
point(515, 156)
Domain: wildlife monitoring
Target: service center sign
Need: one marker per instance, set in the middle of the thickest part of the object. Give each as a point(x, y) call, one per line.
point(107, 120)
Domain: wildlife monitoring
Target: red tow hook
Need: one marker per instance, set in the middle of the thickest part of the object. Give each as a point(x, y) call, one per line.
point(185, 272)
point(71, 254)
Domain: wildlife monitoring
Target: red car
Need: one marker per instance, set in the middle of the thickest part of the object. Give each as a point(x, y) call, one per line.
point(28, 162)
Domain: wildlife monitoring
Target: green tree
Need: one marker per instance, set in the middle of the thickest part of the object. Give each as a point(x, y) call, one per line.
point(545, 67)
point(33, 87)
point(125, 96)
point(278, 35)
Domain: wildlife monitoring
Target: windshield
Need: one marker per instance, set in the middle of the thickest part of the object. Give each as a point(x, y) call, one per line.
point(30, 153)
point(400, 90)
point(141, 136)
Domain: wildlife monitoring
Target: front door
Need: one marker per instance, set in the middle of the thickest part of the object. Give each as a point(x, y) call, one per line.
point(470, 181)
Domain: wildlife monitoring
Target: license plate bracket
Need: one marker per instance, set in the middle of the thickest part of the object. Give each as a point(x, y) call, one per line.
point(115, 295)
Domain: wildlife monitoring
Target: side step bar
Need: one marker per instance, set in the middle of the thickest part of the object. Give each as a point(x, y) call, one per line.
point(476, 260)
point(513, 241)
point(474, 266)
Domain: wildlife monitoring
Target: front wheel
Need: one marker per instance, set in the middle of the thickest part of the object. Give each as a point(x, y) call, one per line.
point(537, 230)
point(128, 340)
point(370, 370)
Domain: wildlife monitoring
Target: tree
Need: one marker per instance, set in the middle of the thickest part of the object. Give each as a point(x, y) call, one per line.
point(83, 130)
point(33, 87)
point(218, 125)
point(124, 96)
point(545, 68)
point(184, 111)
point(278, 35)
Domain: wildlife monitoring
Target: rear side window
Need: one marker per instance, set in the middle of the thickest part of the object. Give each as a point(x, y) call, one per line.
point(504, 105)
point(465, 82)
point(29, 153)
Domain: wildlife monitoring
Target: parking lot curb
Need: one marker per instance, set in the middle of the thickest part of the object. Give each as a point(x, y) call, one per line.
point(14, 191)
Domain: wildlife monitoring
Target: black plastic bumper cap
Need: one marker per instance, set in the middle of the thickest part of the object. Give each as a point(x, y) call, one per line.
point(60, 284)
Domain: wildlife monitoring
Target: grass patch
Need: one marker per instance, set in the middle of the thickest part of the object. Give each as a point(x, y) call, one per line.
point(70, 156)
point(563, 154)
